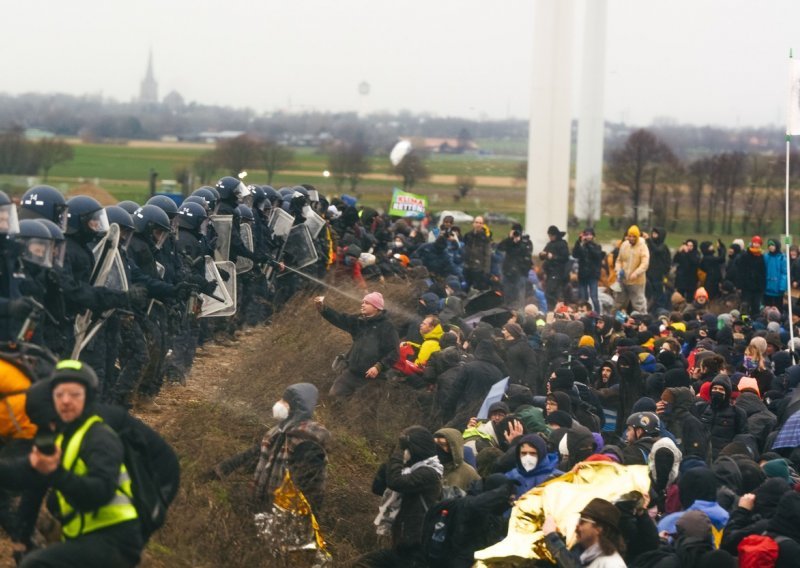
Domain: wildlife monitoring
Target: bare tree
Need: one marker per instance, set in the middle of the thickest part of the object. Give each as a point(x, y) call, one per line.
point(726, 176)
point(274, 157)
point(206, 167)
point(637, 163)
point(699, 172)
point(411, 169)
point(464, 184)
point(237, 154)
point(348, 162)
point(52, 151)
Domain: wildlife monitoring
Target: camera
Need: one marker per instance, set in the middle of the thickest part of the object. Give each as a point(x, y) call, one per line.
point(46, 443)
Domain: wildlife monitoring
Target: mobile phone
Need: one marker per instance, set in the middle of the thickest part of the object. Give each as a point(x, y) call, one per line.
point(45, 443)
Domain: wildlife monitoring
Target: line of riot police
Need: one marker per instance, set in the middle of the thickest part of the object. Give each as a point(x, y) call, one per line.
point(133, 290)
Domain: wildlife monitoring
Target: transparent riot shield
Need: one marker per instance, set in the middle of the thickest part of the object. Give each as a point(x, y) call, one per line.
point(220, 299)
point(315, 224)
point(280, 222)
point(223, 226)
point(103, 274)
point(116, 279)
point(230, 288)
point(245, 264)
point(300, 250)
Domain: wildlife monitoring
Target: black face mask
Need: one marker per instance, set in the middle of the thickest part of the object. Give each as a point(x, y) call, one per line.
point(717, 400)
point(443, 456)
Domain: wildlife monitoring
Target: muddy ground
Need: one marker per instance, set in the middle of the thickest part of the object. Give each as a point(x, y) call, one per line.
point(226, 406)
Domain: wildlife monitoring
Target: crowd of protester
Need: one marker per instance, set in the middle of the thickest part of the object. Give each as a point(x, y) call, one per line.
point(634, 356)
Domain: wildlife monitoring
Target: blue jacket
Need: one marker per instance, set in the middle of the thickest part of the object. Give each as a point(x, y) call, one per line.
point(776, 273)
point(544, 470)
point(719, 518)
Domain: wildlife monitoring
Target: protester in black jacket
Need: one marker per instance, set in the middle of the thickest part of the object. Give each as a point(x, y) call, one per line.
point(712, 263)
point(658, 269)
point(751, 277)
point(472, 384)
point(478, 521)
point(375, 342)
point(524, 363)
point(590, 258)
point(687, 261)
point(516, 265)
point(723, 420)
point(556, 258)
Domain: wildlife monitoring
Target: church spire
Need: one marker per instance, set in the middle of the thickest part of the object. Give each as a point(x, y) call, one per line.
point(148, 93)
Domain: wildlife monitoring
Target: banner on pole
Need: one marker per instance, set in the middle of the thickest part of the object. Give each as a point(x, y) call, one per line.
point(793, 123)
point(406, 204)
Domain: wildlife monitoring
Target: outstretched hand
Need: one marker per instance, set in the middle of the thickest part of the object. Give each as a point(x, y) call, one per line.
point(514, 431)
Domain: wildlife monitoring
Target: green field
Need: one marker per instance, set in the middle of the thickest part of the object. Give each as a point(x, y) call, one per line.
point(123, 171)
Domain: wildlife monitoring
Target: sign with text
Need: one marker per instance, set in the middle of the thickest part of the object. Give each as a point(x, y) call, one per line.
point(406, 204)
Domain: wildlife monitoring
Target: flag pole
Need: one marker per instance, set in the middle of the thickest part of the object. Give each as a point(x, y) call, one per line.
point(788, 238)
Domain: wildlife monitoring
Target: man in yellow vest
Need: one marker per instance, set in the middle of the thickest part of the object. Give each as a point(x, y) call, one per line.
point(99, 523)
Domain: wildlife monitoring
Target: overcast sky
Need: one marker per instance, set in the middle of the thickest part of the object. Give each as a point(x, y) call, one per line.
point(720, 62)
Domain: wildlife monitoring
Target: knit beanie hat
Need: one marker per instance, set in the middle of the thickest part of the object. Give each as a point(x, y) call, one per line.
point(560, 419)
point(374, 299)
point(514, 329)
point(777, 468)
point(694, 524)
point(586, 341)
point(749, 383)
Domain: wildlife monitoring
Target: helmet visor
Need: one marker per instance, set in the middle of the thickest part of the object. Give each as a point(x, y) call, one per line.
point(204, 226)
point(159, 237)
point(38, 251)
point(97, 222)
point(241, 192)
point(59, 250)
point(9, 223)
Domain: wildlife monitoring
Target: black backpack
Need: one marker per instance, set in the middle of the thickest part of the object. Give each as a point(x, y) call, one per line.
point(154, 472)
point(437, 528)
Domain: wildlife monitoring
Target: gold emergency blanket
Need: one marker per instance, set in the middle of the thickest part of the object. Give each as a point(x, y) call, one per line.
point(561, 498)
point(289, 498)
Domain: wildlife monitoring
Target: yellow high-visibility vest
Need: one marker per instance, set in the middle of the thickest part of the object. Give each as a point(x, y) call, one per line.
point(116, 511)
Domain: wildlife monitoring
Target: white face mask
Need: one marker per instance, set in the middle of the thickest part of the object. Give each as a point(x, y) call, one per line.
point(529, 462)
point(280, 411)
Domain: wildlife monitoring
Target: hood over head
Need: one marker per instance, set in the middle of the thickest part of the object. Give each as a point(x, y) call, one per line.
point(302, 399)
point(697, 483)
point(455, 440)
point(418, 440)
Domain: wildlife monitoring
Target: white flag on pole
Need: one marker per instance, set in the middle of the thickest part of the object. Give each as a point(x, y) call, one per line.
point(793, 124)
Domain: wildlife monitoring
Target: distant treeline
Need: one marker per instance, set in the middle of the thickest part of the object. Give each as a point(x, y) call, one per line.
point(95, 118)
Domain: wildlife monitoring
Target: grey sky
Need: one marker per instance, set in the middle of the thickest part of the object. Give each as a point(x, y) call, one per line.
point(720, 62)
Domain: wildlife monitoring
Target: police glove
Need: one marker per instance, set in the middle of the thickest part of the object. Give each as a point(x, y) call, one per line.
point(137, 297)
point(183, 290)
point(20, 308)
point(224, 274)
point(208, 287)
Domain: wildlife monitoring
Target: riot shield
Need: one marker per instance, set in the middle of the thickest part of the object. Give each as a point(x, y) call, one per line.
point(315, 224)
point(245, 264)
point(117, 280)
point(223, 226)
point(221, 298)
point(103, 273)
point(300, 250)
point(280, 222)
